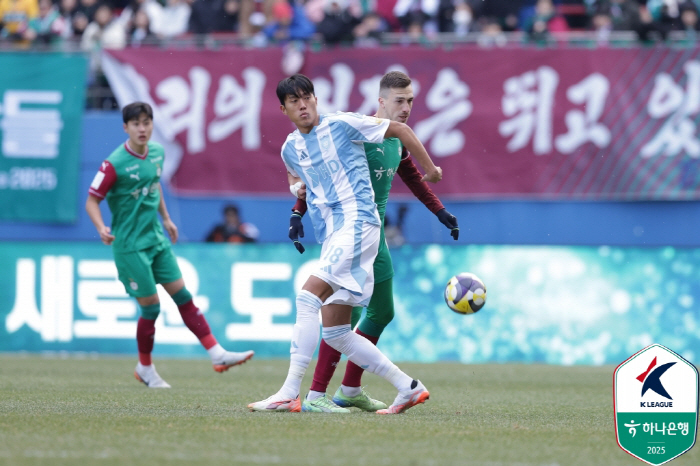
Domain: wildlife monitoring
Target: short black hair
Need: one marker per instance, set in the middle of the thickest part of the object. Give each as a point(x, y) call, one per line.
point(135, 109)
point(394, 80)
point(231, 208)
point(295, 85)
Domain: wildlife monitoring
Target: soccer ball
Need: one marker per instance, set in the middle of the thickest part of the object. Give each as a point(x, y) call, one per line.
point(465, 293)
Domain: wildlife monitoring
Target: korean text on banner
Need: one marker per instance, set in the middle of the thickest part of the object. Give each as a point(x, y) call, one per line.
point(42, 97)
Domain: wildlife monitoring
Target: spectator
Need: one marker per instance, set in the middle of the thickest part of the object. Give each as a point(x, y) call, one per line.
point(369, 32)
point(504, 11)
point(152, 9)
point(545, 21)
point(491, 33)
point(232, 230)
point(289, 22)
point(689, 20)
point(649, 28)
point(48, 26)
point(385, 9)
point(14, 18)
point(602, 24)
point(338, 23)
point(209, 16)
point(412, 13)
point(104, 31)
point(315, 10)
point(68, 10)
point(176, 16)
point(88, 8)
point(624, 14)
point(140, 29)
point(462, 18)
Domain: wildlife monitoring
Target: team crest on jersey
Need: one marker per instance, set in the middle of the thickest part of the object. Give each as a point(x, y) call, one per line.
point(325, 142)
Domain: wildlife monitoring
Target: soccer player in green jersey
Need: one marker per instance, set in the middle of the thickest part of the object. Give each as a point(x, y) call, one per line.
point(130, 181)
point(385, 160)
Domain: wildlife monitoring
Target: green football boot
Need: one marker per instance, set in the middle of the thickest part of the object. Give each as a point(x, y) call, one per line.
point(362, 401)
point(321, 405)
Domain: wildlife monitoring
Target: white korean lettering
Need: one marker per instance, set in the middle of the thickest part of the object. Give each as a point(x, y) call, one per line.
point(335, 96)
point(447, 98)
point(260, 310)
point(184, 107)
point(669, 100)
point(239, 107)
point(583, 125)
point(529, 101)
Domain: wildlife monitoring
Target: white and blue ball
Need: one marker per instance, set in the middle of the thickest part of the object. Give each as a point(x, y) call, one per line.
point(465, 293)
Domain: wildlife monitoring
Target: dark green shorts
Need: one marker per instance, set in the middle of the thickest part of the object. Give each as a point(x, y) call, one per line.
point(139, 271)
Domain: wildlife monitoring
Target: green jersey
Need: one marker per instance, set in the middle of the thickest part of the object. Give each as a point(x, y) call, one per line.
point(383, 160)
point(131, 184)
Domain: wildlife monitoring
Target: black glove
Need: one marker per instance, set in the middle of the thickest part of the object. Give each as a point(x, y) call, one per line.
point(447, 219)
point(296, 230)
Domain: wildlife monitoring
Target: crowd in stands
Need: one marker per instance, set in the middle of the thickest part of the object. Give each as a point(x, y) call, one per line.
point(121, 23)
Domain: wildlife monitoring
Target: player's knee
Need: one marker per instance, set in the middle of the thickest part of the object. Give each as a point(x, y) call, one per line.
point(384, 319)
point(308, 306)
point(338, 337)
point(375, 323)
point(151, 311)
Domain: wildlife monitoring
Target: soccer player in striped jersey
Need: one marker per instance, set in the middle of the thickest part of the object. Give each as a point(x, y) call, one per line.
point(326, 154)
point(385, 160)
point(130, 181)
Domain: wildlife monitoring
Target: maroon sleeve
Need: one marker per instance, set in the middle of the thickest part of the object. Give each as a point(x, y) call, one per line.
point(103, 181)
point(300, 207)
point(412, 178)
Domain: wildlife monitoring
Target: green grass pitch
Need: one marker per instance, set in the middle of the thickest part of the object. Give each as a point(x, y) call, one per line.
point(93, 412)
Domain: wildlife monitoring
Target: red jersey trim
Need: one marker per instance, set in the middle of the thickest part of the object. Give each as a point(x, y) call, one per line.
point(300, 207)
point(412, 178)
point(136, 154)
point(104, 180)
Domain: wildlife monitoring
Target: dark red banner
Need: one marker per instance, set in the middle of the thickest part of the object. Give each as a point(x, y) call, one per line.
point(550, 123)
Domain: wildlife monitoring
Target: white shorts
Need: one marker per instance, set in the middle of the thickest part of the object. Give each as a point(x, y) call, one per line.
point(347, 263)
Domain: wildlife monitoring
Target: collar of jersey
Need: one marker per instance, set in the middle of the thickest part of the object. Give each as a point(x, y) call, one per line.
point(129, 150)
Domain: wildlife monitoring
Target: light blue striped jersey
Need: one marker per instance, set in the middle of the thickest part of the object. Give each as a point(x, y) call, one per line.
point(331, 161)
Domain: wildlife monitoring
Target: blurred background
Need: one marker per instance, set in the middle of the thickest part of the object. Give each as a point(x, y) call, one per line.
point(566, 130)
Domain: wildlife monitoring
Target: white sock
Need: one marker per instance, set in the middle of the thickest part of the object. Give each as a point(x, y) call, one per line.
point(350, 391)
point(314, 395)
point(216, 352)
point(305, 336)
point(362, 352)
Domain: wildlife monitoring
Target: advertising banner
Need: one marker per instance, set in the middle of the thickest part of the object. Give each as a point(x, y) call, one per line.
point(557, 305)
point(42, 97)
point(536, 123)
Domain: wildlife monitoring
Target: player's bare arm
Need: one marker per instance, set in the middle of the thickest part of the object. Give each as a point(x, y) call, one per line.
point(92, 206)
point(296, 186)
point(409, 139)
point(167, 222)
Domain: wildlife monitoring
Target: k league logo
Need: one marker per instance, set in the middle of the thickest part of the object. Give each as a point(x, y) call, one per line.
point(656, 405)
point(652, 379)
